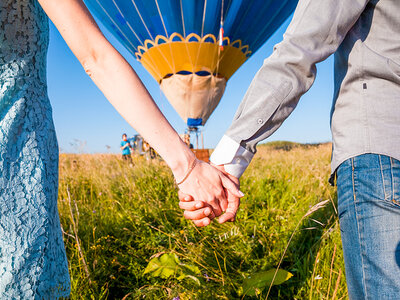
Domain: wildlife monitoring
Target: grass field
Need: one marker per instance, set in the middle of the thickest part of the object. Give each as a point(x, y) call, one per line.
point(117, 218)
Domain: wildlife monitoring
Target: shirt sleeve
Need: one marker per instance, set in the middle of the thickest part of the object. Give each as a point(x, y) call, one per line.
point(315, 32)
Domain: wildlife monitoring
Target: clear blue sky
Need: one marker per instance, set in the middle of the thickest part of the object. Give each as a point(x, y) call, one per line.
point(85, 121)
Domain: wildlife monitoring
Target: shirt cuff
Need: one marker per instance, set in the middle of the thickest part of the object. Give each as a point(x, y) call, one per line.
point(234, 157)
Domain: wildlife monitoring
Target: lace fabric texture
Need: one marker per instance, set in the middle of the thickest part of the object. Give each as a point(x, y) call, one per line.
point(33, 262)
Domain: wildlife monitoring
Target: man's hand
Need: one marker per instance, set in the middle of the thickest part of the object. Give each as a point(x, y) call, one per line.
point(233, 200)
point(198, 210)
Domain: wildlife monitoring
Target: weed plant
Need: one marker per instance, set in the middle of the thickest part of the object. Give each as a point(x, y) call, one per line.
point(116, 217)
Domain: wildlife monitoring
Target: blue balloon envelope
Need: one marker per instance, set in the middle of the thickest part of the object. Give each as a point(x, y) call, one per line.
point(192, 47)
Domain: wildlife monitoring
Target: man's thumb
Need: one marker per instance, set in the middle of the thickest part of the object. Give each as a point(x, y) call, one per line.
point(231, 186)
point(226, 217)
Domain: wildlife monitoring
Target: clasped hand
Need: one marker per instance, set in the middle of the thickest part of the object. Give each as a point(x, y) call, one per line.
point(209, 192)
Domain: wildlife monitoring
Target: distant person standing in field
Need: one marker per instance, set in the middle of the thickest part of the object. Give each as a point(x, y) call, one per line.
point(365, 123)
point(149, 151)
point(186, 138)
point(126, 149)
point(187, 141)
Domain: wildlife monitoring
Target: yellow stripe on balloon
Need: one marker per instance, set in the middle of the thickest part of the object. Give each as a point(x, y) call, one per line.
point(192, 54)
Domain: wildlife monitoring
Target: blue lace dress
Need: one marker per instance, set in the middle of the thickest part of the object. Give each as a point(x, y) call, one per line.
point(33, 263)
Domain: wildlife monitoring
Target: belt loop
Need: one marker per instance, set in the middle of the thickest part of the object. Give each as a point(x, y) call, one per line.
point(332, 179)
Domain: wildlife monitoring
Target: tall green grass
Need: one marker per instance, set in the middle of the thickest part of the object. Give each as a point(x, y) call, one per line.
point(116, 218)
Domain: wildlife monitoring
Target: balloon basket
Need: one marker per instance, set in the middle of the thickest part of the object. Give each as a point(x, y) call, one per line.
point(202, 154)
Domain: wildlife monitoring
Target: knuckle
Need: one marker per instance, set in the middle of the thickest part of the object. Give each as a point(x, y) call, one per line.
point(186, 214)
point(207, 211)
point(198, 223)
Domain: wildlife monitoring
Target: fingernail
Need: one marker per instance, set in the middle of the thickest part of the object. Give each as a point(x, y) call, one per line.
point(199, 205)
point(207, 211)
point(206, 222)
point(241, 193)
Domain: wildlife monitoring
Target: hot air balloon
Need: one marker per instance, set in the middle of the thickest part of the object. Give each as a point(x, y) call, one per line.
point(192, 47)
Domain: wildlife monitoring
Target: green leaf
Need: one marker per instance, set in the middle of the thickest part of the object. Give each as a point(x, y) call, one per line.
point(163, 266)
point(253, 284)
point(190, 269)
point(168, 265)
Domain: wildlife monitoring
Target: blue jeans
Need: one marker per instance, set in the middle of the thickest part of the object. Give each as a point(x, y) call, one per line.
point(369, 214)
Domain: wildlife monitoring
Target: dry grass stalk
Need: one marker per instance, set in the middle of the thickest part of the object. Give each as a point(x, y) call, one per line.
point(337, 285)
point(313, 274)
point(222, 274)
point(75, 228)
point(330, 273)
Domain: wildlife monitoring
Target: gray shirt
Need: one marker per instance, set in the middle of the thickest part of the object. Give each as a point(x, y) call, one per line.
point(365, 116)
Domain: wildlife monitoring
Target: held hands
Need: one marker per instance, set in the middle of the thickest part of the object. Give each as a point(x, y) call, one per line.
point(209, 192)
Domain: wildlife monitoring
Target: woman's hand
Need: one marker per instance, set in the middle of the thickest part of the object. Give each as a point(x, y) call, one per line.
point(208, 184)
point(198, 212)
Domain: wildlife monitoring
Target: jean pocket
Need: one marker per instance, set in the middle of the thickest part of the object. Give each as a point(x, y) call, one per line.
point(345, 191)
point(390, 173)
point(395, 167)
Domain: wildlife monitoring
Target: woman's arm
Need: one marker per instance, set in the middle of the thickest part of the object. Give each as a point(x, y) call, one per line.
point(123, 88)
point(117, 80)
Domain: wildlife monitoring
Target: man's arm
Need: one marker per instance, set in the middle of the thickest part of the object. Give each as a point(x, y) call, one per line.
point(316, 31)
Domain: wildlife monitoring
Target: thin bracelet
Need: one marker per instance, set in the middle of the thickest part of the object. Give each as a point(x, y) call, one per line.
point(193, 164)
